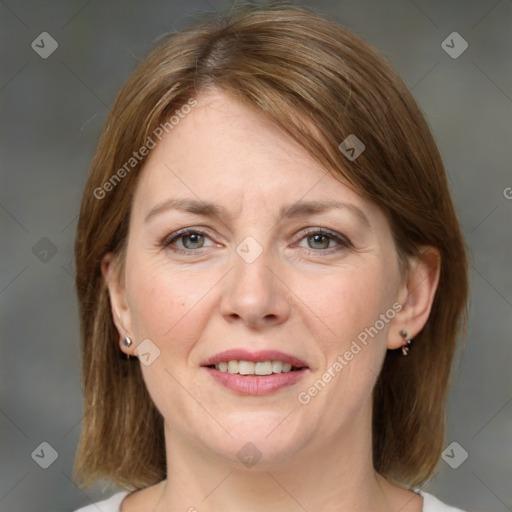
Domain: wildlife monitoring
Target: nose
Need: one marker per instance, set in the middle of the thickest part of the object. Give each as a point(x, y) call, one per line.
point(255, 293)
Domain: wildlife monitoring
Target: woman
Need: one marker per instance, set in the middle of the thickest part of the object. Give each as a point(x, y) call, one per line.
point(265, 230)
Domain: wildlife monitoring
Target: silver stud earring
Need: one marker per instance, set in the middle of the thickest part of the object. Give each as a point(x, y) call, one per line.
point(408, 343)
point(126, 343)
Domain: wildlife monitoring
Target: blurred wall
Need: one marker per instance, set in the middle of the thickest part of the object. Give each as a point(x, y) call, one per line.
point(52, 112)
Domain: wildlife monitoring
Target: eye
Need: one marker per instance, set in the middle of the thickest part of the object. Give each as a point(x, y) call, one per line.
point(191, 239)
point(319, 241)
point(322, 240)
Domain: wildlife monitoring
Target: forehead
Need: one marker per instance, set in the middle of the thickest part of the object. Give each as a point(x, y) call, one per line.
point(223, 151)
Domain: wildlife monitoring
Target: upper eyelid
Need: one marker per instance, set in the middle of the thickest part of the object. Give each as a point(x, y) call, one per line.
point(180, 233)
point(324, 231)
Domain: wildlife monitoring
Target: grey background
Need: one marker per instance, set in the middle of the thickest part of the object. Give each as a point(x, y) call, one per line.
point(52, 113)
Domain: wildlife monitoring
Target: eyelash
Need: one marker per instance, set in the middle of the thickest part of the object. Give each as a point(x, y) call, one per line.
point(341, 240)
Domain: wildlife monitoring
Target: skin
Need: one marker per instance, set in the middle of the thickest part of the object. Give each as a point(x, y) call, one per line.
point(312, 304)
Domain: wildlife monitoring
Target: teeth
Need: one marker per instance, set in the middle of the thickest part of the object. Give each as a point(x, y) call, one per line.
point(277, 366)
point(245, 367)
point(263, 368)
point(250, 368)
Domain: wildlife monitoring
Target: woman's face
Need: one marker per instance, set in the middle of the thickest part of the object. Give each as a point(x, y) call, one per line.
point(270, 270)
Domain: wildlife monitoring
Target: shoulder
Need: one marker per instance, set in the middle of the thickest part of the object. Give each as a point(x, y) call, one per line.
point(432, 504)
point(111, 504)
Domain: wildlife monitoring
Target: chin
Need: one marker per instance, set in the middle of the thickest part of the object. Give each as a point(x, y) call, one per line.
point(262, 438)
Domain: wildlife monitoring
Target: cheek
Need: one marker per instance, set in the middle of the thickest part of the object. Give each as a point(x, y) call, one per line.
point(158, 304)
point(167, 305)
point(345, 303)
point(154, 305)
point(353, 349)
point(352, 334)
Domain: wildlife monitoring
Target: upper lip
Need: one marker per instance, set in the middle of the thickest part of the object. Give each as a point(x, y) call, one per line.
point(262, 355)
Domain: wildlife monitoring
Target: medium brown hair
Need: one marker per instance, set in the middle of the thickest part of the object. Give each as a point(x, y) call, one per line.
point(320, 83)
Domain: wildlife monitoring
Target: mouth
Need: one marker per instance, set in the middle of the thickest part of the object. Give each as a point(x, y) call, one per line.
point(257, 373)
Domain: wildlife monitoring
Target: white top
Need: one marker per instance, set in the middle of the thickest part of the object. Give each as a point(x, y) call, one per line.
point(113, 504)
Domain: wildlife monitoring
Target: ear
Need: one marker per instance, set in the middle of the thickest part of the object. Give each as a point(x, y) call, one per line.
point(416, 296)
point(118, 302)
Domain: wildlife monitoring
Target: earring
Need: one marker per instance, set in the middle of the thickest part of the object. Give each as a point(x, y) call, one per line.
point(408, 343)
point(126, 343)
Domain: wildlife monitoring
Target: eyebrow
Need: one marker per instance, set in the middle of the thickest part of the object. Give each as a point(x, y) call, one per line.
point(298, 209)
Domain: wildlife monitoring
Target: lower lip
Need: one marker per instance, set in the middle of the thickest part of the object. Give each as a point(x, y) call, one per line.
point(256, 385)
